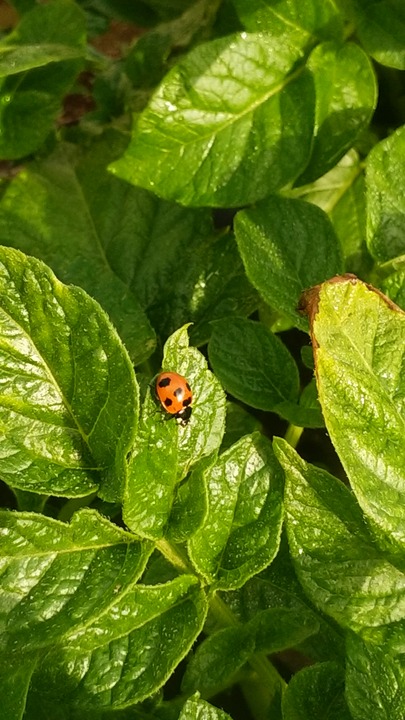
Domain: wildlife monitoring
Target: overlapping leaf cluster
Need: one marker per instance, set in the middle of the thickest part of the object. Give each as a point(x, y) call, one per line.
point(235, 156)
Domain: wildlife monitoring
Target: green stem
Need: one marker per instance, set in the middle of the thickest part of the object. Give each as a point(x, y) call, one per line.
point(293, 435)
point(175, 555)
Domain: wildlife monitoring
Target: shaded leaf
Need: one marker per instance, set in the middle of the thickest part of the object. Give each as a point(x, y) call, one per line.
point(316, 693)
point(48, 211)
point(385, 182)
point(375, 682)
point(286, 244)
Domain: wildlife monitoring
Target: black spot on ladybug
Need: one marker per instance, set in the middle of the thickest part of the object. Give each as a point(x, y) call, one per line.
point(188, 387)
point(164, 382)
point(168, 402)
point(186, 402)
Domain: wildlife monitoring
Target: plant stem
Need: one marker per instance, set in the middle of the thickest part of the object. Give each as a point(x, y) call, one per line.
point(293, 435)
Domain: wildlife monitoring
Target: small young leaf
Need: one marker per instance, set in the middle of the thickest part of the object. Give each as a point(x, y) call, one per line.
point(346, 97)
point(336, 559)
point(165, 451)
point(285, 245)
point(253, 364)
point(69, 394)
point(316, 693)
point(217, 660)
point(359, 341)
point(241, 532)
point(196, 709)
point(229, 116)
point(385, 180)
point(375, 682)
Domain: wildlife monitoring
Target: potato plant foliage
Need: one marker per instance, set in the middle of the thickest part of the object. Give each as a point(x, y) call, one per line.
point(214, 188)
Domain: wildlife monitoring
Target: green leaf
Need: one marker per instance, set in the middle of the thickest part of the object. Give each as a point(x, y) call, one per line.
point(58, 578)
point(16, 59)
point(385, 180)
point(70, 590)
point(316, 693)
point(319, 18)
point(393, 284)
point(15, 678)
point(128, 651)
point(289, 619)
point(165, 451)
point(196, 709)
point(46, 48)
point(375, 682)
point(337, 561)
point(341, 194)
point(231, 117)
point(287, 246)
point(381, 29)
point(239, 422)
point(253, 364)
point(49, 211)
point(241, 532)
point(359, 340)
point(217, 660)
point(69, 394)
point(346, 96)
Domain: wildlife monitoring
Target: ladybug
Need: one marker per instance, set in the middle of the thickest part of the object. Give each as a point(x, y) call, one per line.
point(175, 396)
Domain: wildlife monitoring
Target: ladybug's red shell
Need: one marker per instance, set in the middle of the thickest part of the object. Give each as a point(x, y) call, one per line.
point(175, 396)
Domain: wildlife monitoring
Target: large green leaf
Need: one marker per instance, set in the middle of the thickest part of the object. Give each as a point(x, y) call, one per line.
point(162, 250)
point(231, 117)
point(336, 558)
point(71, 592)
point(49, 211)
point(241, 532)
point(58, 578)
point(68, 391)
point(45, 51)
point(285, 245)
point(166, 451)
point(359, 345)
point(385, 179)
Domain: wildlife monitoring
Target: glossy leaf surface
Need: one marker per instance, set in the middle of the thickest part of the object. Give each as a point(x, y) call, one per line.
point(166, 451)
point(69, 395)
point(241, 532)
point(229, 117)
point(335, 556)
point(359, 345)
